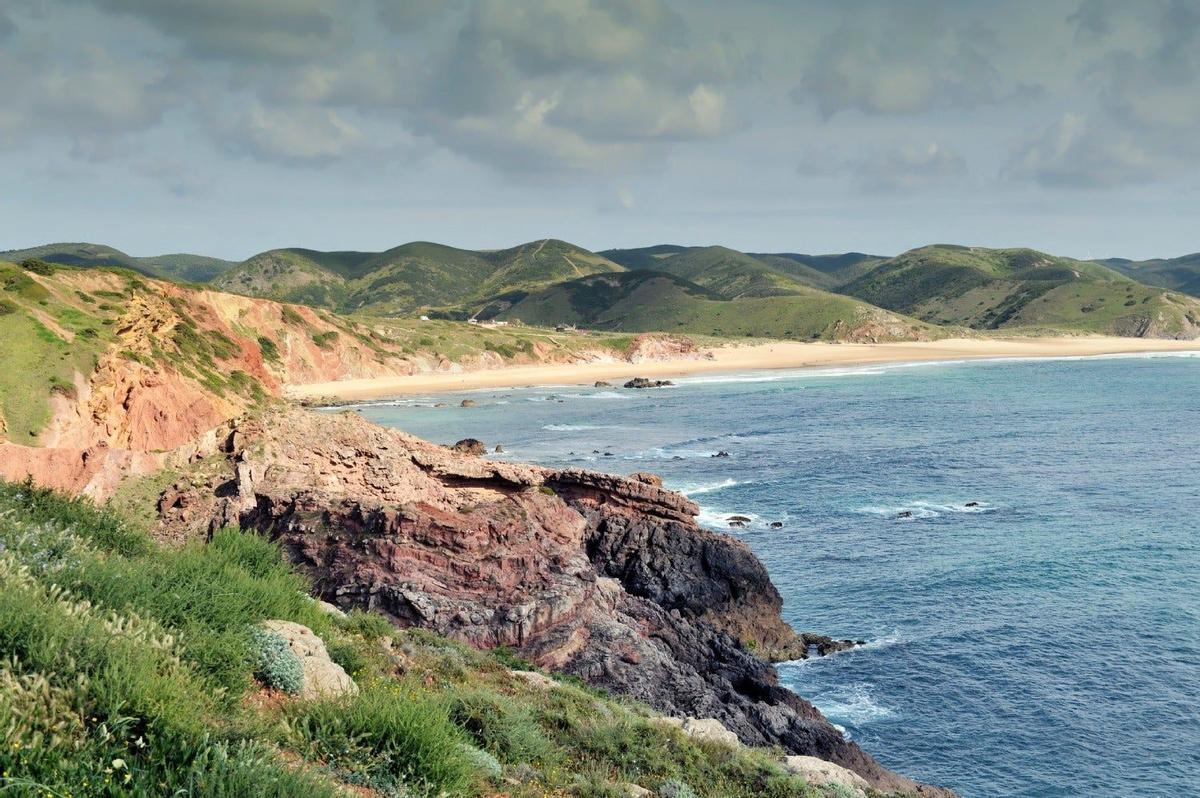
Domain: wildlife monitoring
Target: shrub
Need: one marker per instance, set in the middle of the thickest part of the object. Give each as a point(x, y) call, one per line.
point(278, 666)
point(325, 340)
point(370, 625)
point(674, 788)
point(499, 726)
point(270, 351)
point(39, 266)
point(290, 316)
point(388, 739)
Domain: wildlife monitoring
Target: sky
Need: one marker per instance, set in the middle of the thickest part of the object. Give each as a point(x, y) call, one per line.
point(228, 127)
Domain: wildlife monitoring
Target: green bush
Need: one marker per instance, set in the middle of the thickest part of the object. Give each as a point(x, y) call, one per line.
point(290, 316)
point(278, 666)
point(499, 726)
point(674, 788)
point(389, 739)
point(325, 340)
point(269, 349)
point(39, 266)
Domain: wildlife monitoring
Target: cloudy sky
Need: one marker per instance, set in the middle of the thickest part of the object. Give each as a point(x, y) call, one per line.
point(231, 126)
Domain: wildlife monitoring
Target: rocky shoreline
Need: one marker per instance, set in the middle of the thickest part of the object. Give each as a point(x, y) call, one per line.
point(604, 577)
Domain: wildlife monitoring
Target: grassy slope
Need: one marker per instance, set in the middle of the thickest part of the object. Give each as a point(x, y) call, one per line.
point(59, 323)
point(408, 278)
point(1178, 274)
point(48, 335)
point(827, 272)
point(128, 668)
point(642, 301)
point(1008, 288)
point(822, 271)
point(179, 267)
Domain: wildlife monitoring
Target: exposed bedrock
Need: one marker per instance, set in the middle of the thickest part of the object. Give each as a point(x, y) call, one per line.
point(601, 576)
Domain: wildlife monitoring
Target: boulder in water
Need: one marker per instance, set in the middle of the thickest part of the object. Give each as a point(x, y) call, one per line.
point(499, 449)
point(467, 403)
point(776, 525)
point(602, 384)
point(742, 518)
point(472, 446)
point(642, 382)
point(905, 514)
point(721, 453)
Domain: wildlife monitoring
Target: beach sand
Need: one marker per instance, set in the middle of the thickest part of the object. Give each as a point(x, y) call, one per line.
point(737, 358)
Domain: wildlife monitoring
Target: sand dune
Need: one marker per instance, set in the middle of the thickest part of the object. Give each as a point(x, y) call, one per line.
point(777, 355)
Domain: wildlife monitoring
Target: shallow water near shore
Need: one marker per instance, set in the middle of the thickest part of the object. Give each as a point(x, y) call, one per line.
point(1034, 619)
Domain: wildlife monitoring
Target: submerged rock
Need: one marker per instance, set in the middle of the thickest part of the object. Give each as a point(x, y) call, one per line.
point(642, 382)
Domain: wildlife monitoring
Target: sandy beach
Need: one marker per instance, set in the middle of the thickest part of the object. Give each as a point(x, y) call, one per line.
point(737, 358)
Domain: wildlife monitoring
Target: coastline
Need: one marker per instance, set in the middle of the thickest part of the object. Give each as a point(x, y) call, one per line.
point(736, 358)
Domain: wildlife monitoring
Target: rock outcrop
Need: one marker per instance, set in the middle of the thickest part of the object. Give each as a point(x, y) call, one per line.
point(595, 575)
point(323, 678)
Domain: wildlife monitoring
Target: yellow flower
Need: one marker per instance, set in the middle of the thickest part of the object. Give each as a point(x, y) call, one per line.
point(118, 764)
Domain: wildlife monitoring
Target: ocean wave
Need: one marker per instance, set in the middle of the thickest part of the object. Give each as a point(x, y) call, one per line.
point(575, 427)
point(710, 488)
point(922, 510)
point(852, 704)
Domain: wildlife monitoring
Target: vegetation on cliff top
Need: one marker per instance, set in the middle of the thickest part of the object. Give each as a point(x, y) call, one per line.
point(128, 669)
point(59, 323)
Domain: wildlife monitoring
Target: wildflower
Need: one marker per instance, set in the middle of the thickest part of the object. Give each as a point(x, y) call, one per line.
point(118, 764)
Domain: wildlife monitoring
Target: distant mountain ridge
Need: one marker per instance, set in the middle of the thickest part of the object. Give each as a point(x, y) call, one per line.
point(411, 277)
point(1178, 274)
point(179, 267)
point(932, 290)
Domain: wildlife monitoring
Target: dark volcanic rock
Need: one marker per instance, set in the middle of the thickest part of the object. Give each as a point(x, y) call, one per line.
point(601, 576)
point(471, 446)
point(602, 384)
point(642, 382)
point(721, 453)
point(467, 403)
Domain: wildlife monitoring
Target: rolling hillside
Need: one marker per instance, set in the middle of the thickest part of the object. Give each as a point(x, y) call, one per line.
point(180, 267)
point(1178, 274)
point(644, 300)
point(760, 271)
point(408, 278)
point(989, 289)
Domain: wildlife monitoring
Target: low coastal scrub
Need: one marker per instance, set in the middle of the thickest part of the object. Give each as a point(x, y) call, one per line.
point(126, 667)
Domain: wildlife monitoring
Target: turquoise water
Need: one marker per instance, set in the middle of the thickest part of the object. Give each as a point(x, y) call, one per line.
point(1043, 643)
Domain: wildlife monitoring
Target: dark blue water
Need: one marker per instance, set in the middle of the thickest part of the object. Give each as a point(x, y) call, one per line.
point(1044, 643)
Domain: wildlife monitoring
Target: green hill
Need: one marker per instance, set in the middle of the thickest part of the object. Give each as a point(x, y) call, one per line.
point(730, 271)
point(821, 271)
point(990, 289)
point(642, 301)
point(180, 267)
point(1178, 274)
point(408, 278)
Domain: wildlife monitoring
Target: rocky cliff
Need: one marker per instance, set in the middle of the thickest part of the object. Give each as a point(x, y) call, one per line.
point(600, 576)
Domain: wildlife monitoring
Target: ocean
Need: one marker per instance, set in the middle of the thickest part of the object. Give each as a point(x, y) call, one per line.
point(1019, 542)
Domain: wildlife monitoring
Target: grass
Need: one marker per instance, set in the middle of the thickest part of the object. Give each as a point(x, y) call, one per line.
point(38, 360)
point(648, 301)
point(129, 668)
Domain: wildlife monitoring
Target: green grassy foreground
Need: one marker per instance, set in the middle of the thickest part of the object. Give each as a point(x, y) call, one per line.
point(128, 669)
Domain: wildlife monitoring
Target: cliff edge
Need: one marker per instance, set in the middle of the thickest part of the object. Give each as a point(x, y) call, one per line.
point(603, 577)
